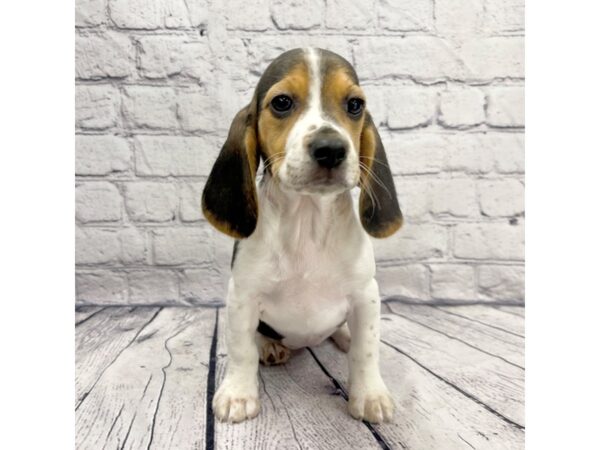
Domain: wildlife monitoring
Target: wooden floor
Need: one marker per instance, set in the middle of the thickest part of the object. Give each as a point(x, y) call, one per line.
point(145, 377)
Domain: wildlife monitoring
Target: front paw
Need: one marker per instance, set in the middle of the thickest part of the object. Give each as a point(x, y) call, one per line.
point(236, 402)
point(373, 405)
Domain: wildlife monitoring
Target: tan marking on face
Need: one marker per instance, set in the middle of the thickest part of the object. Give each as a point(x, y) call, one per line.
point(250, 142)
point(273, 131)
point(337, 89)
point(368, 144)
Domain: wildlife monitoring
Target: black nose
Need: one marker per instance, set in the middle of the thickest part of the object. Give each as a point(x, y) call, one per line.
point(328, 152)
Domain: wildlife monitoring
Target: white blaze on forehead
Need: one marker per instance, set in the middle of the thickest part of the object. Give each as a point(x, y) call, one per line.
point(315, 109)
point(314, 116)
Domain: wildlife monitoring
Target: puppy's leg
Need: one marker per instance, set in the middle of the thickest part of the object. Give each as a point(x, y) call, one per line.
point(270, 351)
point(369, 398)
point(341, 337)
point(237, 397)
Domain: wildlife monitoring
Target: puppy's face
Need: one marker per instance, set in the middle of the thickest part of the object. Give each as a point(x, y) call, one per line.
point(310, 122)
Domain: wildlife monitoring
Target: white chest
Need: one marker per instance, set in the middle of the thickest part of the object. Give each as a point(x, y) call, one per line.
point(306, 300)
point(302, 269)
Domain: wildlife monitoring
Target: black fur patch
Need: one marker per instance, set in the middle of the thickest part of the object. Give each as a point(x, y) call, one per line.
point(382, 215)
point(330, 61)
point(267, 331)
point(230, 195)
point(276, 71)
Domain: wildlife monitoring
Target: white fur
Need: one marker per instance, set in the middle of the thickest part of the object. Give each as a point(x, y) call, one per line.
point(306, 270)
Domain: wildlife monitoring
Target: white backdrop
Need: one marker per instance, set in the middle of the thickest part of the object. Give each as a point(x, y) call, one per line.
point(158, 82)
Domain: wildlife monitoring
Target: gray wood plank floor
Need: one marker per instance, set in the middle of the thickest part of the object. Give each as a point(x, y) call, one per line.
point(145, 377)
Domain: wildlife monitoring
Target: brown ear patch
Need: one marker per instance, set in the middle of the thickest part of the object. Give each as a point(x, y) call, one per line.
point(380, 212)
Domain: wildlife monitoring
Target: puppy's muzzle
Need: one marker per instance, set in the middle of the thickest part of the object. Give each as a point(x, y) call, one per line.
point(328, 149)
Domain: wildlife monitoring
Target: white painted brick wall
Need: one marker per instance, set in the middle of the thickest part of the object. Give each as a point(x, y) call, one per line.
point(462, 107)
point(158, 82)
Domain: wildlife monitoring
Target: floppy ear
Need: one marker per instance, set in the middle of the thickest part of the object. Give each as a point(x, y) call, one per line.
point(229, 200)
point(380, 213)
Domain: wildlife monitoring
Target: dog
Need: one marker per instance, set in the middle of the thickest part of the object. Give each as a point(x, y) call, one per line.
point(303, 268)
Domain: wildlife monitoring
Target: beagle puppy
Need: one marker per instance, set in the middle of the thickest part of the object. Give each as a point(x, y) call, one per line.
point(303, 267)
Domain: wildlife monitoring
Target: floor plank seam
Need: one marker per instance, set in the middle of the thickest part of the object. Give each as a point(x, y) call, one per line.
point(209, 440)
point(162, 387)
point(378, 437)
point(419, 302)
point(287, 413)
point(465, 441)
point(462, 391)
point(146, 387)
point(84, 396)
point(128, 431)
point(112, 426)
point(90, 316)
point(508, 312)
point(459, 340)
point(264, 384)
point(480, 322)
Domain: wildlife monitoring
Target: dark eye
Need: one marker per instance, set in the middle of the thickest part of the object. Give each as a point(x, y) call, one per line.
point(355, 106)
point(282, 103)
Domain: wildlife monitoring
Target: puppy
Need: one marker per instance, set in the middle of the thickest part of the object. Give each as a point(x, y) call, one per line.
point(303, 267)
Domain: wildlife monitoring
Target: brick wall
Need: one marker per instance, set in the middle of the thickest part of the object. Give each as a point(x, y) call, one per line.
point(158, 82)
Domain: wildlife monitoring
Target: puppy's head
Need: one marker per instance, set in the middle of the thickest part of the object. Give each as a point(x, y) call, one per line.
point(308, 122)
